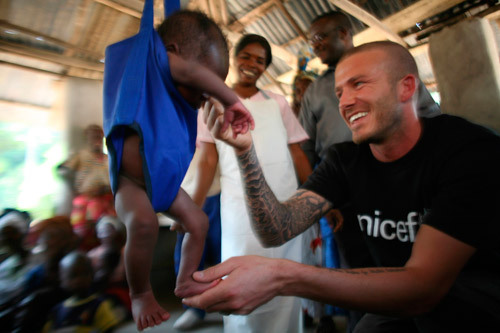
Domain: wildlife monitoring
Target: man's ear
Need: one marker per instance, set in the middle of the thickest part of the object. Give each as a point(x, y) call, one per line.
point(172, 47)
point(345, 35)
point(408, 87)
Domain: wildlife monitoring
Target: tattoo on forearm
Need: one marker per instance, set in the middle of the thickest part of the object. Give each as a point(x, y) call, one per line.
point(275, 222)
point(371, 270)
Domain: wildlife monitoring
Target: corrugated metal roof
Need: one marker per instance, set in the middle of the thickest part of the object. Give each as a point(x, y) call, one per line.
point(73, 34)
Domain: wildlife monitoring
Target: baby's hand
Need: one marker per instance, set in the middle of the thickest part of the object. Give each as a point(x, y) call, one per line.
point(240, 119)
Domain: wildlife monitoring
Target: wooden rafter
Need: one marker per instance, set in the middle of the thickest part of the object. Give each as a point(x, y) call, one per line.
point(368, 19)
point(289, 17)
point(50, 56)
point(251, 16)
point(7, 25)
point(120, 8)
point(79, 29)
point(406, 18)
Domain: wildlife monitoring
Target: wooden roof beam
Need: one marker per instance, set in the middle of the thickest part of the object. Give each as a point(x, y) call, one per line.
point(251, 16)
point(289, 17)
point(120, 8)
point(406, 18)
point(369, 20)
point(218, 11)
point(8, 25)
point(50, 56)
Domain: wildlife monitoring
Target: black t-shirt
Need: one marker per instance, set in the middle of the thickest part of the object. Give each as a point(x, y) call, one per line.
point(450, 180)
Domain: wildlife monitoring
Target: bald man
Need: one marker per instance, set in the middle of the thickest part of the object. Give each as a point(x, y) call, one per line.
point(424, 190)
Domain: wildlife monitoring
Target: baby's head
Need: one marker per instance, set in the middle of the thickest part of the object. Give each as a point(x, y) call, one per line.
point(195, 36)
point(76, 273)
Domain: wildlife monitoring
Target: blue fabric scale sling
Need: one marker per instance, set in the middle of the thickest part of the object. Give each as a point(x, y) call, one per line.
point(139, 94)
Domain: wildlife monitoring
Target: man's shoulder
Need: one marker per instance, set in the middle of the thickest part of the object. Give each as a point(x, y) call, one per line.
point(457, 128)
point(324, 77)
point(455, 137)
point(322, 88)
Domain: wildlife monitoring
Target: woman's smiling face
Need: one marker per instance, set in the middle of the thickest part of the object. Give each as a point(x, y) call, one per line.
point(251, 63)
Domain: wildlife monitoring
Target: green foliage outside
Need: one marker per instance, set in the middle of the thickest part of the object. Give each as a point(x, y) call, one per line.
point(28, 156)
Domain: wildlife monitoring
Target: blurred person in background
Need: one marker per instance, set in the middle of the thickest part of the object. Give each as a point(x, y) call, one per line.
point(87, 172)
point(54, 239)
point(84, 310)
point(107, 262)
point(14, 262)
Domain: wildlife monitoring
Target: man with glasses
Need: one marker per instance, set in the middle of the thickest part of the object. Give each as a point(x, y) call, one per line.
point(330, 36)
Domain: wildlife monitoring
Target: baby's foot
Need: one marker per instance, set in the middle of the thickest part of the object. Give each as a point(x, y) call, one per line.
point(146, 311)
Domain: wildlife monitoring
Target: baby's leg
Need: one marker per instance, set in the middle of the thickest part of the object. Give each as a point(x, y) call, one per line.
point(195, 223)
point(134, 208)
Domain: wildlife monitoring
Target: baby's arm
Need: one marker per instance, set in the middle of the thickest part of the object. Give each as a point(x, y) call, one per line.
point(195, 223)
point(193, 74)
point(134, 208)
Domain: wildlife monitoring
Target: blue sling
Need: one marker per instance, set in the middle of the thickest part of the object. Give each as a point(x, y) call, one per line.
point(139, 94)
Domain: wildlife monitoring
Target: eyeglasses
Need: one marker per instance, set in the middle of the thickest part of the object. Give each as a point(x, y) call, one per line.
point(319, 37)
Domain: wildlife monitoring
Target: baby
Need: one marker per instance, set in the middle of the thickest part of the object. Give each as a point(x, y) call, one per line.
point(151, 149)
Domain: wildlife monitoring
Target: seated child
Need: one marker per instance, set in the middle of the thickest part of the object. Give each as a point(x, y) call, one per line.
point(107, 261)
point(14, 263)
point(150, 151)
point(83, 311)
point(15, 257)
point(53, 239)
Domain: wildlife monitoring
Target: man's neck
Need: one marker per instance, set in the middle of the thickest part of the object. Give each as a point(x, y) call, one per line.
point(398, 144)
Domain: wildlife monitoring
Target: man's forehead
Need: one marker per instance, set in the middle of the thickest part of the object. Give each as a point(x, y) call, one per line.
point(360, 64)
point(363, 59)
point(322, 24)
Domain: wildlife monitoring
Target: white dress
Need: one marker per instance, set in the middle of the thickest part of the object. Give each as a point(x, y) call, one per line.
point(271, 139)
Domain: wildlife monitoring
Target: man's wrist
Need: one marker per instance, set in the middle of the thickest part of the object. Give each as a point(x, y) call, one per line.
point(240, 151)
point(283, 277)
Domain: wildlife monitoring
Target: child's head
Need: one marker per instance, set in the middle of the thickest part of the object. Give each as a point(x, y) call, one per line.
point(111, 231)
point(193, 35)
point(13, 227)
point(300, 85)
point(76, 273)
point(94, 135)
point(54, 237)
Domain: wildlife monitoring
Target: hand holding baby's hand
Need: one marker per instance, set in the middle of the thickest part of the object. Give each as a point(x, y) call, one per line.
point(240, 119)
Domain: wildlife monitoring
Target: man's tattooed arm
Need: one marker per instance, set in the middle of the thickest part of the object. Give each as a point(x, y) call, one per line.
point(369, 270)
point(272, 221)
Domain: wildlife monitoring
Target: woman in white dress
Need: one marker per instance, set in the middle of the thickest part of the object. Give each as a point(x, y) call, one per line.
point(276, 136)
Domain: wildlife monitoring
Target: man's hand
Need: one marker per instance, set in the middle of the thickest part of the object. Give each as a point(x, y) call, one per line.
point(213, 116)
point(240, 119)
point(251, 281)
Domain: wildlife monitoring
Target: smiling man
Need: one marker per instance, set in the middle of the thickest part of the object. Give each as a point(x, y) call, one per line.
point(425, 194)
point(330, 36)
